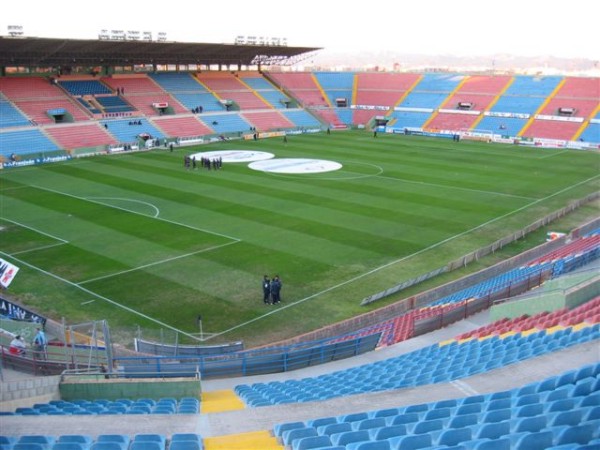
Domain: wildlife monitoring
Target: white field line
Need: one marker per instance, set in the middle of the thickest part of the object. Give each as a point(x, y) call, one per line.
point(139, 214)
point(456, 188)
point(63, 241)
point(43, 247)
point(13, 188)
point(384, 266)
point(156, 263)
point(550, 155)
point(156, 210)
point(94, 294)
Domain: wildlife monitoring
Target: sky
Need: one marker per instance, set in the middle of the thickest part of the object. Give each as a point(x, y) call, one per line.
point(432, 27)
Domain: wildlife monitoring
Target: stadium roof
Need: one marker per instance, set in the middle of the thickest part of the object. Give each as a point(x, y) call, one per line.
point(46, 52)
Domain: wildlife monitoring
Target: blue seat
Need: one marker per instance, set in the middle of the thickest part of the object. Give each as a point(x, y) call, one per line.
point(190, 409)
point(499, 395)
point(454, 436)
point(592, 413)
point(79, 438)
point(108, 445)
point(566, 378)
point(185, 445)
point(571, 418)
point(451, 403)
point(417, 408)
point(427, 426)
point(530, 410)
point(473, 399)
point(580, 434)
point(410, 442)
point(316, 423)
point(584, 387)
point(353, 417)
point(36, 439)
point(69, 446)
point(311, 442)
point(463, 421)
point(496, 444)
point(348, 437)
point(501, 403)
point(535, 441)
point(527, 400)
point(146, 445)
point(560, 393)
point(334, 428)
point(279, 428)
point(471, 408)
point(498, 415)
point(387, 432)
point(375, 445)
point(385, 412)
point(493, 430)
point(150, 437)
point(529, 424)
point(367, 424)
point(441, 413)
point(120, 438)
point(586, 371)
point(591, 400)
point(297, 433)
point(29, 446)
point(404, 419)
point(565, 404)
point(186, 437)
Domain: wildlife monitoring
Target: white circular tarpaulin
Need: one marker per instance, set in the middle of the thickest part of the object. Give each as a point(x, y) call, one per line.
point(233, 156)
point(295, 165)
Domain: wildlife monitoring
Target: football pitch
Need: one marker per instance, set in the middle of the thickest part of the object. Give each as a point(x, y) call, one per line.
point(141, 241)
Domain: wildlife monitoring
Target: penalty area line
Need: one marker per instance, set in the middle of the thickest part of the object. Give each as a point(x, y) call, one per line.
point(214, 233)
point(98, 296)
point(62, 241)
point(156, 263)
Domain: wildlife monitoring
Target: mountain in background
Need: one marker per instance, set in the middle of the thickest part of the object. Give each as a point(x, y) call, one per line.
point(498, 63)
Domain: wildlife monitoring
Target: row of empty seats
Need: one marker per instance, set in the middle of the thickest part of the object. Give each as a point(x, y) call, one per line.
point(186, 405)
point(437, 363)
point(562, 410)
point(177, 441)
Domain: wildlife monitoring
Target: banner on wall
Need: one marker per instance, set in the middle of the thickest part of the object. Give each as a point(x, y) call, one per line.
point(7, 273)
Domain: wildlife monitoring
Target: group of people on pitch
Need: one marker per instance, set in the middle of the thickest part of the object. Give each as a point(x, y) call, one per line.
point(271, 290)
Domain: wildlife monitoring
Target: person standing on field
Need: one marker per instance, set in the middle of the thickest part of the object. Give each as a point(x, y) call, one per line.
point(276, 289)
point(266, 285)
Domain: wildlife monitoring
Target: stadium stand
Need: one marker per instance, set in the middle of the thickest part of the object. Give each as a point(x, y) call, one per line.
point(267, 120)
point(560, 411)
point(10, 116)
point(84, 87)
point(182, 126)
point(25, 142)
point(128, 130)
point(78, 136)
point(521, 107)
point(301, 118)
point(225, 123)
point(267, 91)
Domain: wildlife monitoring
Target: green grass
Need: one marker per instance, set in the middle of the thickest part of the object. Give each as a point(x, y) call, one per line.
point(138, 240)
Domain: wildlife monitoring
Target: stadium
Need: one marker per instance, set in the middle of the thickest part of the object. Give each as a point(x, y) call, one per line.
point(427, 301)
